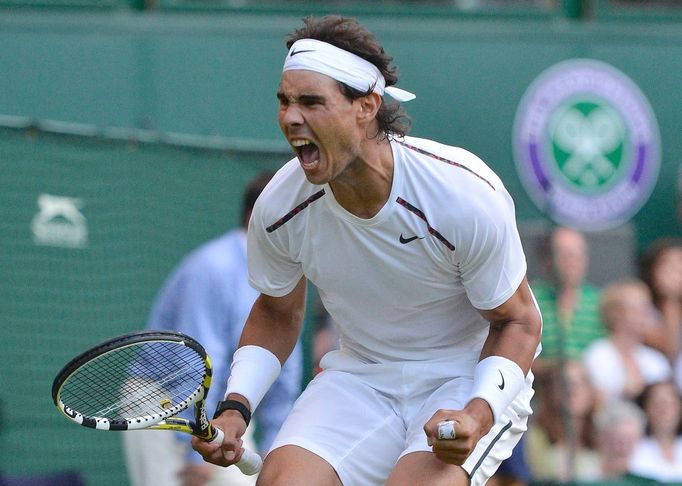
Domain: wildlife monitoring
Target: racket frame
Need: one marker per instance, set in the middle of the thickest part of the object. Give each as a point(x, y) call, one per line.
point(164, 420)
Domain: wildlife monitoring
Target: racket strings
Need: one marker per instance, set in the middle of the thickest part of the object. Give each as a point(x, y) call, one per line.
point(140, 398)
point(142, 379)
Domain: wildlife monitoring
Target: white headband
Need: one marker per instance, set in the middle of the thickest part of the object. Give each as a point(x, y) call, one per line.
point(339, 64)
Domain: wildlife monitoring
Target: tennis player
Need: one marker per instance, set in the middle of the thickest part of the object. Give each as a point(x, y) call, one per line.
point(414, 250)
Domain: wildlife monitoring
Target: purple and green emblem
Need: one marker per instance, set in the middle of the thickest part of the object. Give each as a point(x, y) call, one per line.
point(586, 145)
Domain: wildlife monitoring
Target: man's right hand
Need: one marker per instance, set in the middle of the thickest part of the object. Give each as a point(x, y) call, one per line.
point(230, 451)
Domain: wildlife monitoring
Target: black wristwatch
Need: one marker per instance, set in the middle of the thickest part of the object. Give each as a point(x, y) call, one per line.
point(233, 405)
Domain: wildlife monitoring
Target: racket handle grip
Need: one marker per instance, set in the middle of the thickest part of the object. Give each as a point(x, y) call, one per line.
point(251, 462)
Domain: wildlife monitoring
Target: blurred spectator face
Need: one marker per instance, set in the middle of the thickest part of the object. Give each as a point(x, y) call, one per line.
point(667, 272)
point(628, 309)
point(663, 407)
point(569, 254)
point(620, 428)
point(581, 392)
point(618, 438)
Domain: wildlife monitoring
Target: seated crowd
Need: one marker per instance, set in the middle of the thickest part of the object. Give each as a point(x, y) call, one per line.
point(608, 404)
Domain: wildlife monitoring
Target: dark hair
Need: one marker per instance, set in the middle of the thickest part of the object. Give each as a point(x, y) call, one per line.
point(649, 259)
point(642, 399)
point(251, 193)
point(347, 34)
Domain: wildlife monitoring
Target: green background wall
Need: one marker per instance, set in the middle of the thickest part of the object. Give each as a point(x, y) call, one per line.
point(145, 206)
point(215, 75)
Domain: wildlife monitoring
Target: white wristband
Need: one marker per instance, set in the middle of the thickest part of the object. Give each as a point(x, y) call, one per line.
point(498, 381)
point(254, 369)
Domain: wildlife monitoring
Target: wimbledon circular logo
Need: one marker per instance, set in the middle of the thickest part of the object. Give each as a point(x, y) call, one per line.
point(586, 145)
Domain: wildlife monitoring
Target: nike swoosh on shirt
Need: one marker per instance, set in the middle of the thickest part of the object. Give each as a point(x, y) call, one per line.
point(404, 240)
point(501, 386)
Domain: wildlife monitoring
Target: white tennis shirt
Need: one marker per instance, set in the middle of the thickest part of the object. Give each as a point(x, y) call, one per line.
point(405, 284)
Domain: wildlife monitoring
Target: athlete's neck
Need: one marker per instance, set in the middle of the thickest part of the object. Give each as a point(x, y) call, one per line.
point(363, 187)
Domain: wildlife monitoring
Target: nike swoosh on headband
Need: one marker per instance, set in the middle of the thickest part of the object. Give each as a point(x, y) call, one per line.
point(293, 53)
point(341, 65)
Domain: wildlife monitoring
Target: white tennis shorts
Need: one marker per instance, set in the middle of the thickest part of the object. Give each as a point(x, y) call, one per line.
point(361, 418)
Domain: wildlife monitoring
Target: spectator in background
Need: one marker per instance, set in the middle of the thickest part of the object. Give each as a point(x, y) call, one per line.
point(659, 455)
point(619, 428)
point(569, 305)
point(208, 297)
point(621, 365)
point(570, 309)
point(560, 445)
point(661, 270)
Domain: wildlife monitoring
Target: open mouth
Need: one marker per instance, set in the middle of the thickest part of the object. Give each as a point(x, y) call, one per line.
point(307, 152)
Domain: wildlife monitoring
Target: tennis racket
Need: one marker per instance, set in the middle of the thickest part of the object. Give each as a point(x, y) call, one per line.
point(142, 381)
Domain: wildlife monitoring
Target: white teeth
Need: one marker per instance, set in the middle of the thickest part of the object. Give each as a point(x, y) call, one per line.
point(300, 143)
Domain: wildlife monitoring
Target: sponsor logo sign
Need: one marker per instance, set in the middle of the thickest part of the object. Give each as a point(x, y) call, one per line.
point(586, 145)
point(59, 222)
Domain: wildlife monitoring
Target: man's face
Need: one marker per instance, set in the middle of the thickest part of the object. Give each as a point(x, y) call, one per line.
point(570, 256)
point(320, 123)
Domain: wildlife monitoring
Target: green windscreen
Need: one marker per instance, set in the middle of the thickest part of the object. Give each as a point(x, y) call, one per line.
point(90, 228)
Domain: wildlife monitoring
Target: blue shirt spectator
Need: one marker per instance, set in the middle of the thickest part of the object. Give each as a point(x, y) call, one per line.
point(208, 297)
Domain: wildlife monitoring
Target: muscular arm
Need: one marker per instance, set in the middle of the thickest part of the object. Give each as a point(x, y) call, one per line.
point(275, 322)
point(515, 328)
